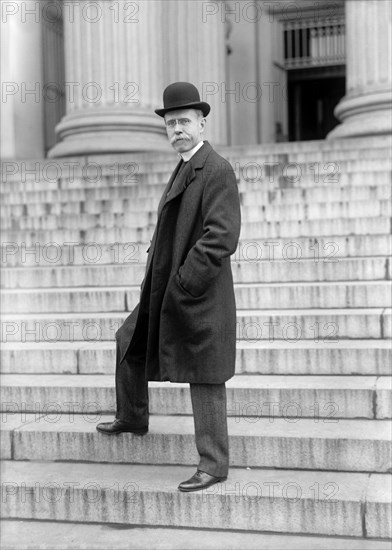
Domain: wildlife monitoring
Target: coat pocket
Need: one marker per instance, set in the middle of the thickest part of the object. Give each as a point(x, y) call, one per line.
point(187, 316)
point(191, 290)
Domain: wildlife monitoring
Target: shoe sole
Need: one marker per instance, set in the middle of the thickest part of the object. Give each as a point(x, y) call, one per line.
point(136, 432)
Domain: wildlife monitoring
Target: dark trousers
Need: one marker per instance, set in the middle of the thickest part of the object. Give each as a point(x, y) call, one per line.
point(209, 412)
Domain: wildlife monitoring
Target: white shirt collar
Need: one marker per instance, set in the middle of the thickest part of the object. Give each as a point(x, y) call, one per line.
point(189, 154)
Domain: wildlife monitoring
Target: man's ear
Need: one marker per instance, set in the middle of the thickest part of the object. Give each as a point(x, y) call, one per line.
point(202, 124)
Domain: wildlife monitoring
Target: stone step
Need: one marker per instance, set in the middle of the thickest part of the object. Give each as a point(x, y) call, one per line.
point(329, 249)
point(311, 148)
point(306, 357)
point(84, 222)
point(249, 231)
point(344, 446)
point(262, 203)
point(104, 176)
point(317, 211)
point(130, 167)
point(250, 398)
point(146, 195)
point(248, 171)
point(139, 163)
point(377, 146)
point(143, 185)
point(303, 502)
point(306, 176)
point(311, 152)
point(351, 146)
point(338, 269)
point(129, 198)
point(255, 214)
point(128, 194)
point(146, 185)
point(251, 214)
point(258, 177)
point(94, 206)
point(310, 270)
point(308, 228)
point(328, 168)
point(45, 535)
point(297, 147)
point(250, 178)
point(299, 296)
point(343, 154)
point(252, 325)
point(315, 194)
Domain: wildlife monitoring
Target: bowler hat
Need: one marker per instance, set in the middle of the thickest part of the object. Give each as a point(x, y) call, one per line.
point(182, 95)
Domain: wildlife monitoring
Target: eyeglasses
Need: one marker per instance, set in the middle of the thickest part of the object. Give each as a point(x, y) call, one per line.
point(181, 122)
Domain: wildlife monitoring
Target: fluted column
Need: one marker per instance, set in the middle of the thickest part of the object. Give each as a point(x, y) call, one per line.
point(114, 78)
point(22, 109)
point(195, 50)
point(366, 108)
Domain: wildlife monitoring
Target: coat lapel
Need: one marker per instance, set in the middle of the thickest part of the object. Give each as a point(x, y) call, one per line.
point(188, 174)
point(168, 186)
point(181, 183)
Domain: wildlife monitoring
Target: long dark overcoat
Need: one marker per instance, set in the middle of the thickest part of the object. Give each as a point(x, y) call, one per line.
point(190, 328)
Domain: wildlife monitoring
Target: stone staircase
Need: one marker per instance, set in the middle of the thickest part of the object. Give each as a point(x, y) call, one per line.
point(309, 408)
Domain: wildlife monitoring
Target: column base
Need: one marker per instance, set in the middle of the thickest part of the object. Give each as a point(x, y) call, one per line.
point(367, 114)
point(109, 130)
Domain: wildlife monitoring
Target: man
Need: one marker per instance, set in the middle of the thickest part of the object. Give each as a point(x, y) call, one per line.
point(184, 328)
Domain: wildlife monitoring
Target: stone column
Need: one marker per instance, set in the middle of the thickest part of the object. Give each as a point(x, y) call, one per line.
point(195, 50)
point(366, 109)
point(114, 78)
point(22, 111)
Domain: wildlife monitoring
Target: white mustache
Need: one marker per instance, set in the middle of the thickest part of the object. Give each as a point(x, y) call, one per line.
point(174, 139)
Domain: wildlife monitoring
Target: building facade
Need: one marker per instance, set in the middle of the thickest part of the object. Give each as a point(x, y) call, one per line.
point(84, 77)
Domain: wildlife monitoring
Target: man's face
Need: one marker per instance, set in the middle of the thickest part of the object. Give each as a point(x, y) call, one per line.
point(184, 128)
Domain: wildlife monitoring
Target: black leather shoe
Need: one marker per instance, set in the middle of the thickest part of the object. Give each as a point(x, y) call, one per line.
point(118, 427)
point(200, 480)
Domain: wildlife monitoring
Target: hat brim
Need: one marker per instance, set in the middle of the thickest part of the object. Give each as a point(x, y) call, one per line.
point(202, 105)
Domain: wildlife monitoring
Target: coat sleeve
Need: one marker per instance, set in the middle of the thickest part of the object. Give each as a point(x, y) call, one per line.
point(221, 217)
